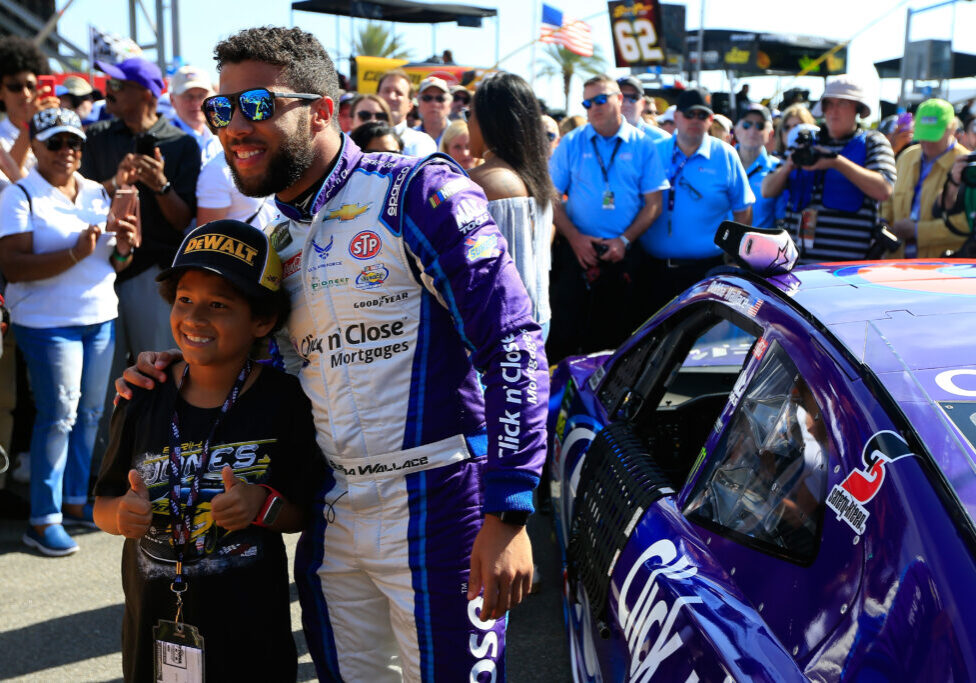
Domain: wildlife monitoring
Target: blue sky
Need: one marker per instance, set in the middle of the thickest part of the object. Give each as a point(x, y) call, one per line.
point(202, 24)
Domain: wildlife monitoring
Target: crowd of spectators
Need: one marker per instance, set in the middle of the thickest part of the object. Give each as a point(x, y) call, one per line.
point(606, 217)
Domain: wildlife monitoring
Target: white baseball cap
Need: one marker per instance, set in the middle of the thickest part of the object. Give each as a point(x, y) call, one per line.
point(189, 77)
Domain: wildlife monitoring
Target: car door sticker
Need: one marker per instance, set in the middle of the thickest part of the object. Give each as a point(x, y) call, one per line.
point(650, 609)
point(847, 499)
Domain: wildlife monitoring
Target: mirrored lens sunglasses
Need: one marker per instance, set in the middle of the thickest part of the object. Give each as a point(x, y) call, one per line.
point(256, 105)
point(596, 99)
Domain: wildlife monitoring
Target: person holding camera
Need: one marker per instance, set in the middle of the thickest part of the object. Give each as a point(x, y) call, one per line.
point(913, 212)
point(142, 148)
point(836, 180)
point(959, 201)
point(613, 178)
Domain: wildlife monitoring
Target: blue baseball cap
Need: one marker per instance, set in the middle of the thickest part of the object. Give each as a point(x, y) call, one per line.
point(136, 69)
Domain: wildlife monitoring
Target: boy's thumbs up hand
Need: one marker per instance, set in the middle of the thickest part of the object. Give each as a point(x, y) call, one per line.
point(239, 504)
point(134, 512)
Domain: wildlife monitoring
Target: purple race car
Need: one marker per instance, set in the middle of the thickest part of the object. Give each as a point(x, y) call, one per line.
point(774, 479)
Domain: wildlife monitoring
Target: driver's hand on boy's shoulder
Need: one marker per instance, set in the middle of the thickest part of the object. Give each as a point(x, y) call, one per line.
point(150, 368)
point(239, 504)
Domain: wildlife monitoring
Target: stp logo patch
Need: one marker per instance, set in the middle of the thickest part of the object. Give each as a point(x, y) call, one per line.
point(364, 245)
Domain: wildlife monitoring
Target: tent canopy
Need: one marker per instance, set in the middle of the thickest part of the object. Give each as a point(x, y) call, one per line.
point(963, 66)
point(399, 10)
point(749, 53)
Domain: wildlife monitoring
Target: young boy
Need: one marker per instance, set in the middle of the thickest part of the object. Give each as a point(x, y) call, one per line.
point(225, 450)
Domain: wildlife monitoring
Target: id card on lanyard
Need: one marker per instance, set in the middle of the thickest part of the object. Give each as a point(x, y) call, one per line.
point(608, 201)
point(178, 646)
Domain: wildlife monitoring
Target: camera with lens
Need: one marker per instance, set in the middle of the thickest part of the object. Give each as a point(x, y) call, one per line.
point(969, 171)
point(801, 142)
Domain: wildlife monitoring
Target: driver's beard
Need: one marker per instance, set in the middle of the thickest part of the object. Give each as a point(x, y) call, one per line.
point(286, 167)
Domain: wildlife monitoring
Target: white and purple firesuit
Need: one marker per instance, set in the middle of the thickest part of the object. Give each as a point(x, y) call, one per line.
point(429, 385)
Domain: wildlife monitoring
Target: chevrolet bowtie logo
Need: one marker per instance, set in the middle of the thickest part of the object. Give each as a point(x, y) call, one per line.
point(347, 212)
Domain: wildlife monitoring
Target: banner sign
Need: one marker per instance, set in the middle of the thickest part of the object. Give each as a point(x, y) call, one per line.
point(637, 37)
point(369, 70)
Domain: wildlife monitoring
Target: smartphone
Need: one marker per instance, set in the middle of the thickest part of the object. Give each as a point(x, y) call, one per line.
point(146, 144)
point(45, 86)
point(124, 202)
point(600, 248)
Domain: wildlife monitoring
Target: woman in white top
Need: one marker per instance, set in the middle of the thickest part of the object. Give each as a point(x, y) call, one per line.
point(506, 130)
point(60, 259)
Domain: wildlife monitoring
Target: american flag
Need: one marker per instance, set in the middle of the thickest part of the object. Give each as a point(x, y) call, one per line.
point(572, 34)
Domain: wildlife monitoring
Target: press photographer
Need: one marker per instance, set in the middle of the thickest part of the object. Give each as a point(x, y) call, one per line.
point(837, 180)
point(913, 212)
point(959, 202)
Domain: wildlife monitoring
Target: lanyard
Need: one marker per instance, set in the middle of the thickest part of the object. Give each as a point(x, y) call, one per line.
point(605, 170)
point(182, 516)
point(672, 179)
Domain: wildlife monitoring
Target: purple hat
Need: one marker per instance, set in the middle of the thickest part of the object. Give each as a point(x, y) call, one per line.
point(136, 69)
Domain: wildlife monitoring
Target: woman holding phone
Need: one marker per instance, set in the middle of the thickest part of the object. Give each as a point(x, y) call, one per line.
point(59, 251)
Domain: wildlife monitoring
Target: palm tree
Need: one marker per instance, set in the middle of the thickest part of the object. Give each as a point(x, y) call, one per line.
point(376, 40)
point(565, 64)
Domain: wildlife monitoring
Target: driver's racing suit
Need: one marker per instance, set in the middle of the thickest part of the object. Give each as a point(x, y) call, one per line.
point(402, 290)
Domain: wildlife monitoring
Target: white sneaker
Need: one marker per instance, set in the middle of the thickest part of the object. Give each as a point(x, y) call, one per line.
point(21, 473)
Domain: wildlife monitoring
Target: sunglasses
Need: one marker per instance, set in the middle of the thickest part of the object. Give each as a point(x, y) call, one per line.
point(115, 84)
point(632, 97)
point(462, 98)
point(256, 105)
point(368, 116)
point(72, 142)
point(18, 86)
point(600, 99)
point(696, 114)
point(746, 125)
point(433, 98)
point(551, 136)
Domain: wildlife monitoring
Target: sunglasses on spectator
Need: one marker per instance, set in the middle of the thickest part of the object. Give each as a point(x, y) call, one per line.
point(746, 125)
point(433, 98)
point(115, 84)
point(72, 142)
point(632, 97)
point(369, 115)
point(460, 97)
point(596, 99)
point(699, 114)
point(18, 86)
point(256, 105)
point(551, 136)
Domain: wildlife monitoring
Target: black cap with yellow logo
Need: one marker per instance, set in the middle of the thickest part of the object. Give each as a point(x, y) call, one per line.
point(234, 250)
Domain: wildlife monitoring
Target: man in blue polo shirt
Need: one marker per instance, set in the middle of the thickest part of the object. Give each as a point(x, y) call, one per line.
point(633, 108)
point(707, 181)
point(613, 178)
point(752, 132)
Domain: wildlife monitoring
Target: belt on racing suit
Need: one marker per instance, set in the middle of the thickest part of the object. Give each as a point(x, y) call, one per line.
point(357, 474)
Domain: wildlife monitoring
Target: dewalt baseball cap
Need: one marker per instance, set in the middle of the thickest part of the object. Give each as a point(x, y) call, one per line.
point(236, 251)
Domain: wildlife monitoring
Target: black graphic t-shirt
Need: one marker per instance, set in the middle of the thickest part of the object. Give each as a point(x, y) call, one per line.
point(237, 594)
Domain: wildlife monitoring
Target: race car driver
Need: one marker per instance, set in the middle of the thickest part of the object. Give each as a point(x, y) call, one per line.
point(426, 373)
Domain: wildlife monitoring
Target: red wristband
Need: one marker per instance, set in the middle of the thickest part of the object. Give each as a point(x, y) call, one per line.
point(273, 496)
